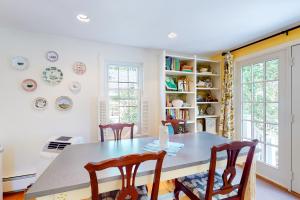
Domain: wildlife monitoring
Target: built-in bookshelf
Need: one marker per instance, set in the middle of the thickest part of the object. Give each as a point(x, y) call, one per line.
point(190, 89)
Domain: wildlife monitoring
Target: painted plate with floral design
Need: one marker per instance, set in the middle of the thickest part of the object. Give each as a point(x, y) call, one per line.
point(40, 103)
point(29, 85)
point(64, 103)
point(52, 75)
point(79, 68)
point(20, 63)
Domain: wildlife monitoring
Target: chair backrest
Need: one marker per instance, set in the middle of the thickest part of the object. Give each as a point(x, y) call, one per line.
point(131, 164)
point(233, 149)
point(176, 123)
point(117, 129)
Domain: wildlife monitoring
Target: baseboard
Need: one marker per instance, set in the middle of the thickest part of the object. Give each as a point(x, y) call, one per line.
point(18, 183)
point(275, 184)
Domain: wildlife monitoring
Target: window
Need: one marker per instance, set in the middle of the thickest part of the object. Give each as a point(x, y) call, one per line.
point(124, 94)
point(259, 107)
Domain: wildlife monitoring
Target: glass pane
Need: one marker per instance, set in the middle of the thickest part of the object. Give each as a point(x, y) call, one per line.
point(247, 129)
point(132, 103)
point(133, 94)
point(113, 74)
point(133, 85)
point(258, 72)
point(124, 94)
point(259, 131)
point(258, 112)
point(272, 155)
point(112, 85)
point(123, 74)
point(129, 114)
point(272, 69)
point(246, 74)
point(247, 90)
point(114, 114)
point(272, 91)
point(247, 110)
point(123, 85)
point(261, 150)
point(272, 112)
point(133, 74)
point(272, 134)
point(258, 92)
point(124, 103)
point(113, 93)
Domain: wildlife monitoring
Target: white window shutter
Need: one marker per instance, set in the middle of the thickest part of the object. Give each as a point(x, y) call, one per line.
point(145, 117)
point(102, 119)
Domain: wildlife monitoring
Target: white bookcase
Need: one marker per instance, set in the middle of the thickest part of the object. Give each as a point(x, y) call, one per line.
point(196, 109)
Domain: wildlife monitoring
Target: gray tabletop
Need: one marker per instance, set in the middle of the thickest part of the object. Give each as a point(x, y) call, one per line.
point(67, 171)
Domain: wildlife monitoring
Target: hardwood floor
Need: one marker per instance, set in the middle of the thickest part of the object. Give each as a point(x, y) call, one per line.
point(264, 191)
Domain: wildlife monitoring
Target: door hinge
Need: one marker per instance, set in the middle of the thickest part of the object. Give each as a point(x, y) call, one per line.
point(292, 175)
point(292, 118)
point(292, 61)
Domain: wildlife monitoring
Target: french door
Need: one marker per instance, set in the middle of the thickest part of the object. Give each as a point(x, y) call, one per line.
point(262, 102)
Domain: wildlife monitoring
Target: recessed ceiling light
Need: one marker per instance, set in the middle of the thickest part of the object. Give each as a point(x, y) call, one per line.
point(83, 18)
point(172, 35)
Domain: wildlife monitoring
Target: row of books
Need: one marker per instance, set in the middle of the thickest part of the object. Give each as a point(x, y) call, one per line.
point(172, 63)
point(178, 114)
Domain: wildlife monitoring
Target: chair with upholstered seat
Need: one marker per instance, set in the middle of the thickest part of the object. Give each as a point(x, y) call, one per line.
point(128, 167)
point(212, 185)
point(117, 129)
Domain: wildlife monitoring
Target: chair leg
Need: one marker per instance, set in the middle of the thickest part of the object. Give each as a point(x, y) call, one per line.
point(176, 191)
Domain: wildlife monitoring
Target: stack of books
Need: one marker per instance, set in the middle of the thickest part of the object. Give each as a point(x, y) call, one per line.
point(178, 114)
point(172, 63)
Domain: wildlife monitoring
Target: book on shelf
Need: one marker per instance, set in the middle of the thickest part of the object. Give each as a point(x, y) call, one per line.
point(178, 114)
point(172, 63)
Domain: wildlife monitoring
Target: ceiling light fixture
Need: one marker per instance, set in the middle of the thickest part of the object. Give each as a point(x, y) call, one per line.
point(83, 18)
point(172, 35)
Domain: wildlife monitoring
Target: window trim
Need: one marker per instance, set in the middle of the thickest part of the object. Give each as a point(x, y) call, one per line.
point(140, 84)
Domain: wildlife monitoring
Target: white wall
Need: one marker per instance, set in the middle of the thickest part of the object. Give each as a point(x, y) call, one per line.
point(23, 131)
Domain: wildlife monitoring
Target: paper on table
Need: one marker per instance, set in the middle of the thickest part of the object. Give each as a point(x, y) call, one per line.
point(171, 150)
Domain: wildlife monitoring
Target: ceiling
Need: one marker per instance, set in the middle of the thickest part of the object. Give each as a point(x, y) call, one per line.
point(203, 26)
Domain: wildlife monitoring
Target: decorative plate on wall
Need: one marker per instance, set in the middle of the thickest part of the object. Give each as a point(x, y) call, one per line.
point(29, 85)
point(79, 68)
point(64, 103)
point(40, 103)
point(19, 63)
point(52, 75)
point(75, 87)
point(52, 56)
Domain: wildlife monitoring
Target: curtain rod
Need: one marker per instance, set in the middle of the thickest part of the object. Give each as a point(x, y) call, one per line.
point(276, 34)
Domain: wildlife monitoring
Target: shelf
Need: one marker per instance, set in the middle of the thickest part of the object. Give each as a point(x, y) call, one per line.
point(178, 73)
point(206, 116)
point(204, 74)
point(180, 107)
point(208, 102)
point(190, 122)
point(199, 88)
point(206, 60)
point(177, 92)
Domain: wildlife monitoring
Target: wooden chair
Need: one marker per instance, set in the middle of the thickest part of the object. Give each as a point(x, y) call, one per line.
point(176, 123)
point(117, 129)
point(211, 185)
point(131, 164)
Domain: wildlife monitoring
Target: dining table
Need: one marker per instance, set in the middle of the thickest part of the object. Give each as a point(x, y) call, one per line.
point(67, 179)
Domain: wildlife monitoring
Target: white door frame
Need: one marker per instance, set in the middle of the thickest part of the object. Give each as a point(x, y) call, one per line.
point(283, 175)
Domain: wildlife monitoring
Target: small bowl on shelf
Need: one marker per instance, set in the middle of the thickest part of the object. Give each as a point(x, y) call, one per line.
point(177, 103)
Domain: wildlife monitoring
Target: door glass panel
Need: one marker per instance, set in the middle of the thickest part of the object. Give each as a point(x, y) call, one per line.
point(272, 112)
point(247, 129)
point(247, 111)
point(272, 91)
point(260, 105)
point(272, 155)
point(258, 112)
point(247, 92)
point(261, 152)
point(258, 72)
point(272, 69)
point(258, 90)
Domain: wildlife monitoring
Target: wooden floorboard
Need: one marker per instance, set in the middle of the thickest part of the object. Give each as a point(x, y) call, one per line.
point(264, 191)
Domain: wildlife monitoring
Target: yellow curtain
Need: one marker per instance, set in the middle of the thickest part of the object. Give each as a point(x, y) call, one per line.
point(226, 127)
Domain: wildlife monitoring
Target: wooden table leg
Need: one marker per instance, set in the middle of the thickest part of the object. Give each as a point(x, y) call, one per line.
point(251, 186)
